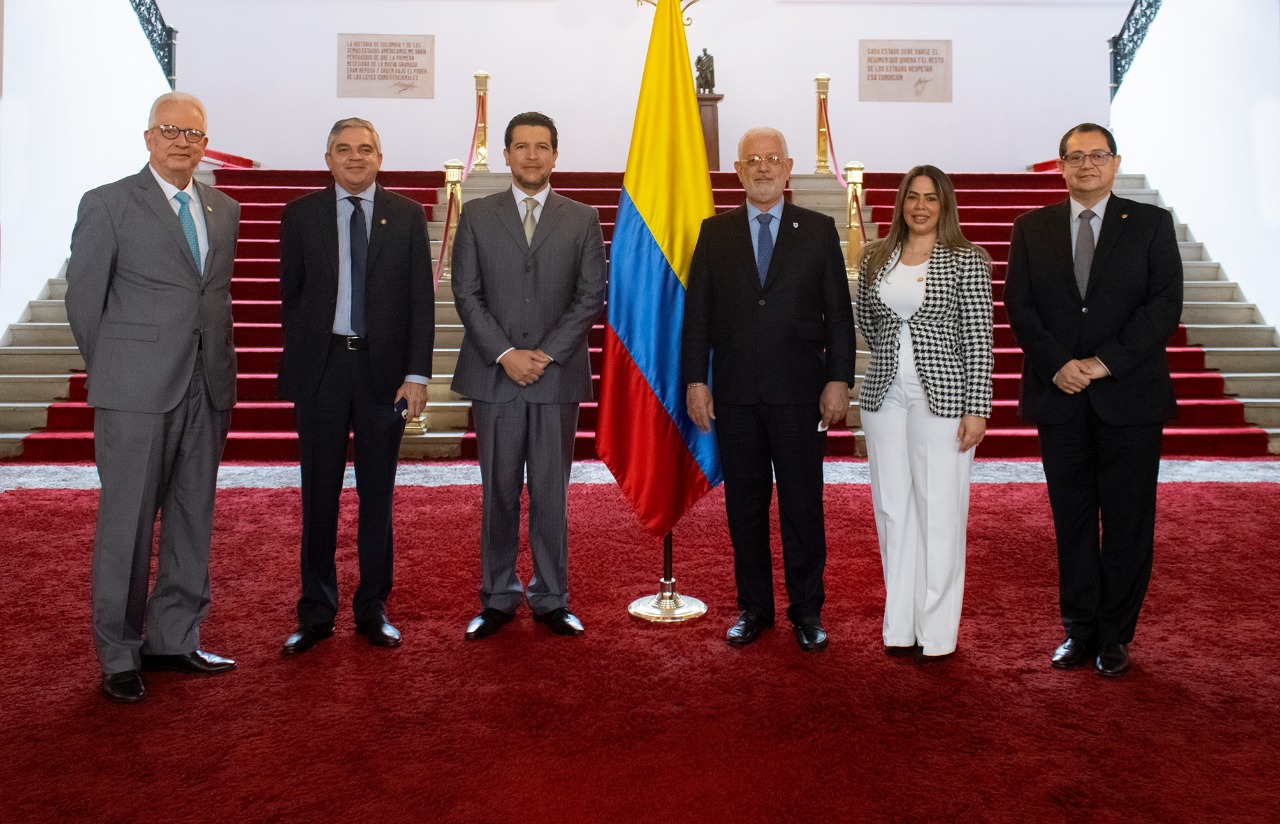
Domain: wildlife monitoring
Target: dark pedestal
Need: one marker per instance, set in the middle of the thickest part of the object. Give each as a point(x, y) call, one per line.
point(707, 104)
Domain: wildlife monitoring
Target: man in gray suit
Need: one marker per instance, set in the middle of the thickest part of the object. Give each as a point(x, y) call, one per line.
point(529, 280)
point(148, 297)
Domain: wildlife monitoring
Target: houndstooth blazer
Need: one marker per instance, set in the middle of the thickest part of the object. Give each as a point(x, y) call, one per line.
point(951, 334)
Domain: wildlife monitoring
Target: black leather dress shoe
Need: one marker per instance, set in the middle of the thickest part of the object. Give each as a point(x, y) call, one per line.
point(305, 637)
point(810, 635)
point(488, 622)
point(1113, 659)
point(124, 687)
point(901, 652)
point(197, 662)
point(746, 630)
point(561, 621)
point(1071, 653)
point(379, 632)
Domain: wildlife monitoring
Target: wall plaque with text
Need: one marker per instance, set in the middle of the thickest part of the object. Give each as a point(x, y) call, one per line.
point(904, 71)
point(387, 65)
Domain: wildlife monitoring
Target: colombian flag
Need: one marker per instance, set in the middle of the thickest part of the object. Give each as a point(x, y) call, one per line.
point(661, 460)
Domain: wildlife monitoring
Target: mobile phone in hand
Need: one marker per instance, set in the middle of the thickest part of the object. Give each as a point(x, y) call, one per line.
point(402, 406)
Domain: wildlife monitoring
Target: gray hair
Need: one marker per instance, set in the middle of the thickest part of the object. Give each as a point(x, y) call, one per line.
point(762, 131)
point(352, 123)
point(176, 97)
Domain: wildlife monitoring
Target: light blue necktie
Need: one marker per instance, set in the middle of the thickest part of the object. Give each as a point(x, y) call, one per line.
point(764, 246)
point(189, 228)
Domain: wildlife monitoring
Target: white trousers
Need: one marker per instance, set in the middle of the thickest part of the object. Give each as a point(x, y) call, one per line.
point(920, 494)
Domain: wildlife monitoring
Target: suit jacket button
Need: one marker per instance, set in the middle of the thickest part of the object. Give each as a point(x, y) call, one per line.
point(762, 301)
point(528, 300)
point(1084, 309)
point(195, 331)
point(524, 335)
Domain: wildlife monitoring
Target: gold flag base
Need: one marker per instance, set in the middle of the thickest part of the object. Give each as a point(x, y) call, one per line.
point(667, 606)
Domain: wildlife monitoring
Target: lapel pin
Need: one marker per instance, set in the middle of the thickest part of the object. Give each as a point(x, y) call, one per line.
point(1123, 216)
point(795, 225)
point(383, 221)
point(209, 209)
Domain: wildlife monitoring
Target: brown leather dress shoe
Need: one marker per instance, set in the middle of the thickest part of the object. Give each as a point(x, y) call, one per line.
point(1071, 653)
point(379, 632)
point(1113, 659)
point(196, 662)
point(305, 637)
point(124, 687)
point(561, 621)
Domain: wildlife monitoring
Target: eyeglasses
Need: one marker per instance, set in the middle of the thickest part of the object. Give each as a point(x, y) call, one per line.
point(1096, 158)
point(769, 160)
point(171, 133)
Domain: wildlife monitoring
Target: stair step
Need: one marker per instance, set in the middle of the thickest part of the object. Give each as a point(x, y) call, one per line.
point(1219, 313)
point(1231, 334)
point(1243, 359)
point(40, 359)
point(47, 311)
point(37, 333)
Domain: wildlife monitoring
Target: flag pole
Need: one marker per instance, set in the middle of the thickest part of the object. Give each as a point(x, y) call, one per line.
point(667, 606)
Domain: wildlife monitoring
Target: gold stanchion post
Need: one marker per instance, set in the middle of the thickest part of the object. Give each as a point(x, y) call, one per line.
point(824, 84)
point(453, 208)
point(482, 123)
point(853, 249)
point(667, 606)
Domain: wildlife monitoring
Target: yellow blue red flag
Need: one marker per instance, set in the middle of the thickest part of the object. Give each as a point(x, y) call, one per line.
point(663, 463)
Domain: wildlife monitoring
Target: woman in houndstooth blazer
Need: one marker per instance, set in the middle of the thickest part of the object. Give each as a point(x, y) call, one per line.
point(924, 307)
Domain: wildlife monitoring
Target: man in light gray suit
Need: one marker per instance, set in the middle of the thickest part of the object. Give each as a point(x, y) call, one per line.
point(148, 297)
point(529, 280)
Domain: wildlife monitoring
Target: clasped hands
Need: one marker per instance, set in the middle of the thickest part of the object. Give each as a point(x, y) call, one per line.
point(525, 366)
point(833, 405)
point(1076, 375)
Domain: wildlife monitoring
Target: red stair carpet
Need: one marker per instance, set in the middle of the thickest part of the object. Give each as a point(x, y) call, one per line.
point(1209, 424)
point(636, 722)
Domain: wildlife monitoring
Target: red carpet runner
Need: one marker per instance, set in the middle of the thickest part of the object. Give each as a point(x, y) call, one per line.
point(1209, 424)
point(637, 722)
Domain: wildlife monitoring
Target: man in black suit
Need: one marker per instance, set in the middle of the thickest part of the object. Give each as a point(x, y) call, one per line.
point(1094, 291)
point(358, 305)
point(768, 311)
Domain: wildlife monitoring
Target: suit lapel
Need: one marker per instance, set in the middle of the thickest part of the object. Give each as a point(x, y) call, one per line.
point(1058, 226)
point(1114, 220)
point(378, 230)
point(151, 194)
point(215, 224)
point(552, 212)
point(509, 216)
point(744, 250)
point(327, 226)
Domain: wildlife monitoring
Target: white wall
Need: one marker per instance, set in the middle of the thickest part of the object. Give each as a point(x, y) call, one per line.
point(1024, 72)
point(79, 79)
point(1199, 113)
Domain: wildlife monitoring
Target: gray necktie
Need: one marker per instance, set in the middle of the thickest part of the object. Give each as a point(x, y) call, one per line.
point(530, 222)
point(764, 246)
point(1084, 251)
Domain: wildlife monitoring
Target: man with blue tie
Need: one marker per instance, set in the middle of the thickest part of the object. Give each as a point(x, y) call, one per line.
point(358, 305)
point(767, 354)
point(148, 299)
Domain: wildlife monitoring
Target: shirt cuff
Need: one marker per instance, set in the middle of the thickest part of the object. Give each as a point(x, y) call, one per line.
point(417, 379)
point(504, 354)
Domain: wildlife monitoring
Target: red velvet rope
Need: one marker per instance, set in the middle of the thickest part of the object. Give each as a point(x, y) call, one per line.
point(835, 164)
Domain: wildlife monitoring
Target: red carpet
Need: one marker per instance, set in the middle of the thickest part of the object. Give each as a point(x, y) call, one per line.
point(638, 722)
point(1209, 424)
